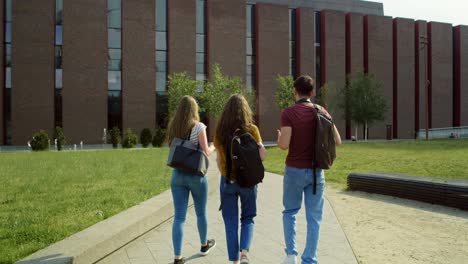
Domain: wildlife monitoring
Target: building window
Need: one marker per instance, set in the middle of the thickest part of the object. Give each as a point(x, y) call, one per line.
point(318, 51)
point(201, 70)
point(292, 43)
point(6, 126)
point(250, 49)
point(114, 65)
point(161, 63)
point(58, 63)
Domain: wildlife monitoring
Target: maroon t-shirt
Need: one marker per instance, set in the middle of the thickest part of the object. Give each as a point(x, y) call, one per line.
point(301, 118)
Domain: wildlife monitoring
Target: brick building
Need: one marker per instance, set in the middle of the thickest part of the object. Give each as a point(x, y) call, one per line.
point(87, 65)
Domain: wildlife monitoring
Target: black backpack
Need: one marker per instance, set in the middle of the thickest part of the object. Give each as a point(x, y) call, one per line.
point(243, 155)
point(325, 145)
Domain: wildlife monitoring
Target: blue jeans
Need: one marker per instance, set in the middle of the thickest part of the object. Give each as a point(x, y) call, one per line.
point(297, 182)
point(230, 192)
point(181, 185)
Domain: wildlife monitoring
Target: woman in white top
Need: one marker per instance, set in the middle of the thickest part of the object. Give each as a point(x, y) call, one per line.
point(187, 121)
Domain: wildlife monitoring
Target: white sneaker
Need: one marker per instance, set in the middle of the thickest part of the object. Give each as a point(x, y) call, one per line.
point(289, 259)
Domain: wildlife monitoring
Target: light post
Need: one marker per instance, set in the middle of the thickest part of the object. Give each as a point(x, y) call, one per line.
point(424, 43)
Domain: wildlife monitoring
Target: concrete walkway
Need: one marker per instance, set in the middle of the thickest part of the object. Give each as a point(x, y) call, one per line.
point(268, 243)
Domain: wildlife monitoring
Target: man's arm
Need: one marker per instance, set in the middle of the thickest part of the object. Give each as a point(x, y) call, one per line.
point(284, 137)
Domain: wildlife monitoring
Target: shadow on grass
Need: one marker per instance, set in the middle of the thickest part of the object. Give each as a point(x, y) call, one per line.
point(51, 259)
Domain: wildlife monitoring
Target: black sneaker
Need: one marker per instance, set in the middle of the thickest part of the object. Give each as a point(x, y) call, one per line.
point(179, 261)
point(211, 243)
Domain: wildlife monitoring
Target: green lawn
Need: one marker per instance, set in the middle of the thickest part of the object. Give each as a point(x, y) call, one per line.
point(45, 197)
point(438, 158)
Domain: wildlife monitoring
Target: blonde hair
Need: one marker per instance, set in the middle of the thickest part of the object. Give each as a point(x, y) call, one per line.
point(185, 117)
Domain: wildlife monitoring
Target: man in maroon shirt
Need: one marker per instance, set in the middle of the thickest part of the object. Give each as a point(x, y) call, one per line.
point(297, 134)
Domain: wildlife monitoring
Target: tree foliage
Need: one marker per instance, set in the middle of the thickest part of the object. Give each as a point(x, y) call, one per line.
point(364, 99)
point(130, 139)
point(40, 141)
point(60, 137)
point(179, 85)
point(146, 137)
point(285, 91)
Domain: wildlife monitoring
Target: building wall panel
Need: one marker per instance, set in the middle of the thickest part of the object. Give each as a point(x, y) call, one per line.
point(272, 60)
point(463, 100)
point(380, 61)
point(421, 76)
point(354, 59)
point(2, 72)
point(139, 69)
point(227, 36)
point(181, 34)
point(33, 73)
point(334, 60)
point(306, 40)
point(84, 70)
point(441, 74)
point(404, 116)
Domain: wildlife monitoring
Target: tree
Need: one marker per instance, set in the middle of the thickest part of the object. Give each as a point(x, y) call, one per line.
point(115, 137)
point(40, 141)
point(60, 137)
point(365, 101)
point(328, 97)
point(179, 85)
point(218, 90)
point(285, 91)
point(130, 139)
point(146, 137)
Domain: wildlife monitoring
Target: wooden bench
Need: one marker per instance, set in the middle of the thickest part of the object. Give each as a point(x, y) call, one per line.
point(448, 192)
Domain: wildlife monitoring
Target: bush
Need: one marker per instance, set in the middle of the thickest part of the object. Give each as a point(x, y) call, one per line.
point(130, 139)
point(159, 137)
point(40, 141)
point(146, 137)
point(60, 137)
point(115, 137)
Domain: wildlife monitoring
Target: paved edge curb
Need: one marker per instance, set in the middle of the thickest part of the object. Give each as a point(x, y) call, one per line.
point(99, 240)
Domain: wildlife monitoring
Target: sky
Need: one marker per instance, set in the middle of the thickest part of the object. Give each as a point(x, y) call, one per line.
point(449, 11)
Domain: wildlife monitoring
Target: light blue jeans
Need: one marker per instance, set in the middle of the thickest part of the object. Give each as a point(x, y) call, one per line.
point(296, 183)
point(181, 185)
point(230, 194)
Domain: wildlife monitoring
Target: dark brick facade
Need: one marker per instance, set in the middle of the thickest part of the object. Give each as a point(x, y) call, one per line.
point(84, 70)
point(138, 67)
point(463, 100)
point(421, 52)
point(441, 74)
point(404, 60)
point(334, 66)
point(380, 61)
point(181, 33)
point(306, 41)
point(32, 102)
point(272, 60)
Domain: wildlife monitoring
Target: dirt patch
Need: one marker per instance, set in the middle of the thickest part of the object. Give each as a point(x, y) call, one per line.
point(384, 229)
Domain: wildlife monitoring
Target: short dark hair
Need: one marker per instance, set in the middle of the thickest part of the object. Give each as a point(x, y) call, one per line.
point(304, 85)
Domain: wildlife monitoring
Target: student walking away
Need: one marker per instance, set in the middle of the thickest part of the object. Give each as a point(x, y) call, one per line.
point(240, 154)
point(299, 124)
point(186, 125)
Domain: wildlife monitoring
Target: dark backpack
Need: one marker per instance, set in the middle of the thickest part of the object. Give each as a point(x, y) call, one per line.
point(325, 145)
point(243, 152)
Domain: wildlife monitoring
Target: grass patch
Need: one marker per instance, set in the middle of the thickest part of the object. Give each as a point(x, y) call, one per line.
point(48, 196)
point(437, 158)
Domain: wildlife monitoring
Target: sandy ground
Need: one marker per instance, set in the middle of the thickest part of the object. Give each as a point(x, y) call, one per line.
point(384, 229)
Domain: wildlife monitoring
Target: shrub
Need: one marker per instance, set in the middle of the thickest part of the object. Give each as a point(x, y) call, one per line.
point(130, 139)
point(146, 137)
point(115, 137)
point(40, 141)
point(60, 137)
point(159, 137)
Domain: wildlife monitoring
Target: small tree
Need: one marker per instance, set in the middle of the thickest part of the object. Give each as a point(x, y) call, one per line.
point(328, 97)
point(159, 137)
point(146, 137)
point(365, 101)
point(60, 137)
point(130, 139)
point(285, 91)
point(115, 136)
point(40, 141)
point(218, 90)
point(179, 85)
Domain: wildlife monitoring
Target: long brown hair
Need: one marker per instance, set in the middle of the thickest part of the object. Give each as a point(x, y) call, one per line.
point(236, 115)
point(185, 117)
